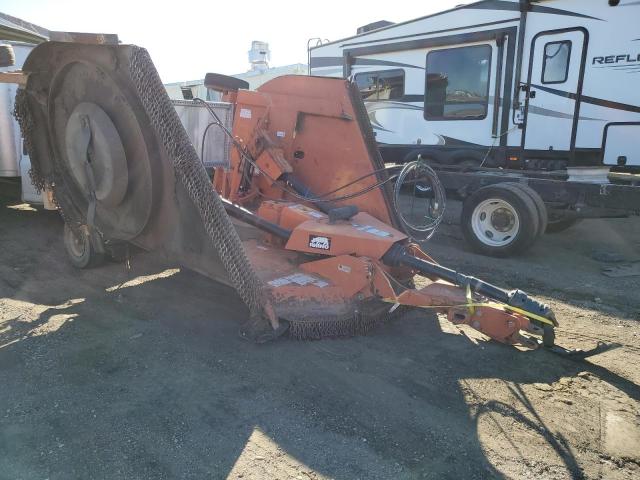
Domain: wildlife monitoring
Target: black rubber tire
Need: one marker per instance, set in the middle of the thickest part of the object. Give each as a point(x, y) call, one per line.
point(7, 57)
point(540, 206)
point(523, 206)
point(531, 204)
point(80, 250)
point(557, 226)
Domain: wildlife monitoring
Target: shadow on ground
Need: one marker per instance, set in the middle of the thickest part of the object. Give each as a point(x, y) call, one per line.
point(153, 381)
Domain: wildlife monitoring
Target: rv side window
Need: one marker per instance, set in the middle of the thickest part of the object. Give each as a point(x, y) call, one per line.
point(555, 68)
point(457, 83)
point(385, 85)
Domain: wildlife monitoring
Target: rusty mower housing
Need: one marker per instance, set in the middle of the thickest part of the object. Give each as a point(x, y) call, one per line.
point(301, 221)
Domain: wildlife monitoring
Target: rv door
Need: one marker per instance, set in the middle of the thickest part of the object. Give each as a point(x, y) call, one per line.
point(551, 107)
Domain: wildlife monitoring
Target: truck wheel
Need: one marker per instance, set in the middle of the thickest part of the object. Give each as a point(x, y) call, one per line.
point(560, 223)
point(500, 220)
point(80, 249)
point(540, 206)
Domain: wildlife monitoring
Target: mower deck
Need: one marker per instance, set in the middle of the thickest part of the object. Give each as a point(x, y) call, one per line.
point(316, 244)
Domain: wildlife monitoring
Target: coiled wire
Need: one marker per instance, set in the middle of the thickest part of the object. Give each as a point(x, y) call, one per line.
point(420, 178)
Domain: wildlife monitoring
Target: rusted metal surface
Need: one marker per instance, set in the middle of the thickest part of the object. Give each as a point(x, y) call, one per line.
point(314, 122)
point(303, 160)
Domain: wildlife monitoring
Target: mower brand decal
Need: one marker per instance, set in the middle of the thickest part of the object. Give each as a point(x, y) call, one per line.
point(299, 279)
point(280, 134)
point(245, 113)
point(371, 230)
point(321, 243)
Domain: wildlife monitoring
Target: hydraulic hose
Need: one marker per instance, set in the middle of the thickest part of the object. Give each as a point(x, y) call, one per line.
point(398, 255)
point(251, 218)
point(301, 189)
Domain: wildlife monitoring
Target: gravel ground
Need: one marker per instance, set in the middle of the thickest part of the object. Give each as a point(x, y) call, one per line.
point(105, 374)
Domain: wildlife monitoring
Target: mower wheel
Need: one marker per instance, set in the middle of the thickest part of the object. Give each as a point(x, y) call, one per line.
point(82, 252)
point(500, 220)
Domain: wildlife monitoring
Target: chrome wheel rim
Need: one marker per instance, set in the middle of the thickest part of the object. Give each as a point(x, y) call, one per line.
point(495, 222)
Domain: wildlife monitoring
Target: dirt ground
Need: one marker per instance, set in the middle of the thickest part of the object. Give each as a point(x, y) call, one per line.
point(148, 379)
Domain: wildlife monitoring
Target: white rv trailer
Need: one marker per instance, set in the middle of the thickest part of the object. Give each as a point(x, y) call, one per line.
point(526, 84)
point(539, 88)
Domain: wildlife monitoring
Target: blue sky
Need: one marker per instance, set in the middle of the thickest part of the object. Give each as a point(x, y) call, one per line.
point(189, 38)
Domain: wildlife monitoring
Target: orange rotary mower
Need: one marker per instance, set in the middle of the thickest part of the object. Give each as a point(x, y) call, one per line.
point(299, 216)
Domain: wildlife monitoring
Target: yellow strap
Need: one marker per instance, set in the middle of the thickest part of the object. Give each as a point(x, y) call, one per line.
point(529, 314)
point(472, 305)
point(472, 308)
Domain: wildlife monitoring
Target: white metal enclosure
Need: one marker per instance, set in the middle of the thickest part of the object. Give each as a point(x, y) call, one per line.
point(211, 143)
point(14, 162)
point(518, 83)
point(10, 140)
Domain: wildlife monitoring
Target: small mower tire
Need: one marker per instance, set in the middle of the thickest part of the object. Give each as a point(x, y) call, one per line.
point(80, 249)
